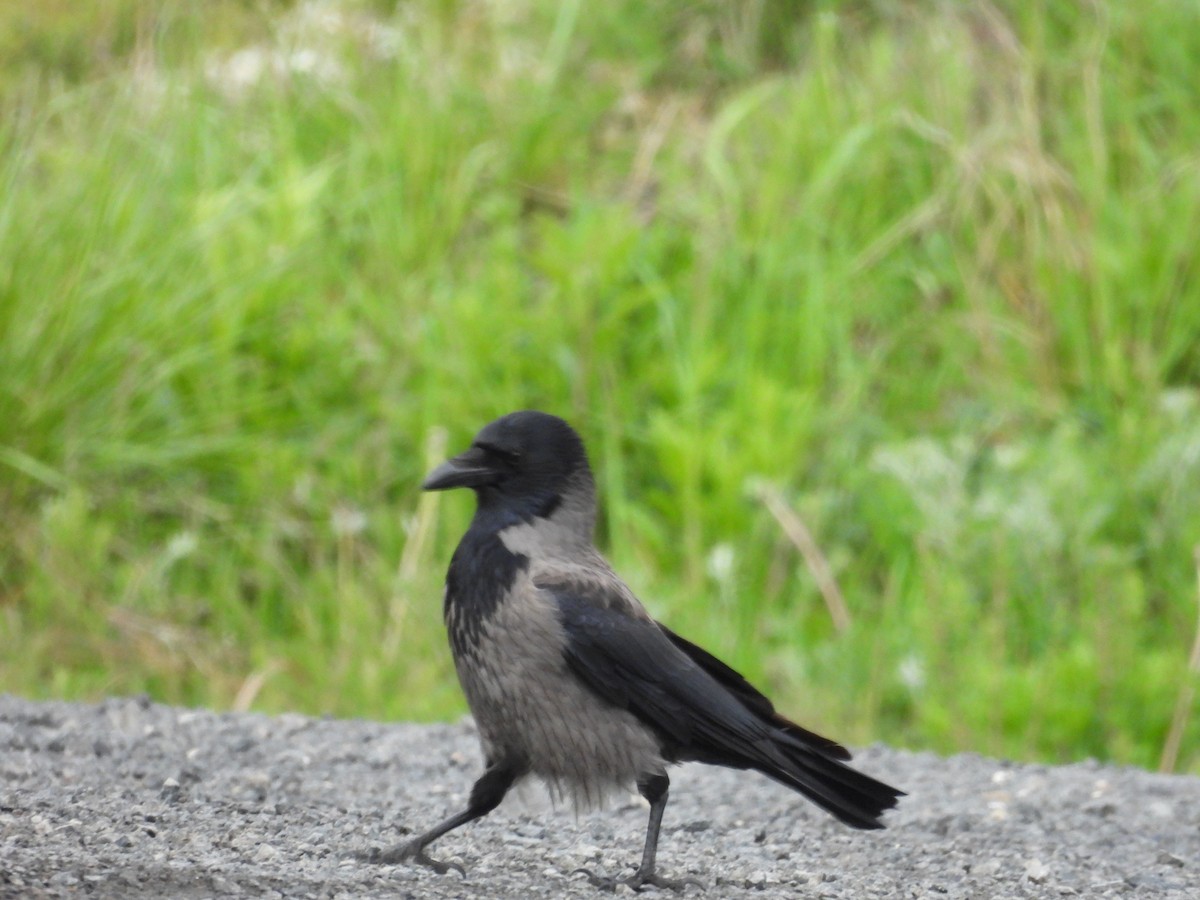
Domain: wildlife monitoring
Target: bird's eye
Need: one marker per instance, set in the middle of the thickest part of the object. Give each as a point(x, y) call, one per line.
point(510, 457)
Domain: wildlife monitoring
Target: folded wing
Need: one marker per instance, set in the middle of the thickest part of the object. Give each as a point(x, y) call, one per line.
point(705, 711)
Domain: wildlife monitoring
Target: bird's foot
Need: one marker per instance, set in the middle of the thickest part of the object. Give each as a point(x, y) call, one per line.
point(413, 852)
point(639, 880)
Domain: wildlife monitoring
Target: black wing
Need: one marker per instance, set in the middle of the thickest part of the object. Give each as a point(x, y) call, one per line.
point(703, 710)
point(751, 697)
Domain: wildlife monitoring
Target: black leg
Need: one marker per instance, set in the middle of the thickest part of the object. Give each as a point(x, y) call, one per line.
point(486, 795)
point(654, 789)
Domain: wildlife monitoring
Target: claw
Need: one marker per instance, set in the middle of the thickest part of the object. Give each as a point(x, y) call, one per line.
point(639, 880)
point(598, 881)
point(414, 852)
point(679, 885)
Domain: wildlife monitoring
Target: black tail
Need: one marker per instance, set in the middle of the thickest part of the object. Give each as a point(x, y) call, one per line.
point(854, 798)
point(799, 758)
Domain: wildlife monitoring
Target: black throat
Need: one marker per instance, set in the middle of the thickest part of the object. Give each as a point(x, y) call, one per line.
point(481, 574)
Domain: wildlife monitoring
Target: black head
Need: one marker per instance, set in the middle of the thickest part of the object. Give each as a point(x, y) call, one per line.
point(524, 461)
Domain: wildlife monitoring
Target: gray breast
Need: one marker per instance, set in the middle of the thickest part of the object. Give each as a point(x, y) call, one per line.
point(532, 711)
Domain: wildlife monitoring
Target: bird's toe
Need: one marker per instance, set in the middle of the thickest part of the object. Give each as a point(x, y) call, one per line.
point(639, 880)
point(677, 885)
point(601, 882)
point(414, 852)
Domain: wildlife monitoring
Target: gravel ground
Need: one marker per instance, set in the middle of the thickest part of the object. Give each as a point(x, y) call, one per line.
point(131, 799)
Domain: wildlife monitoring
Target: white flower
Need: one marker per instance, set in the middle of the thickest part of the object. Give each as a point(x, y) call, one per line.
point(720, 563)
point(348, 521)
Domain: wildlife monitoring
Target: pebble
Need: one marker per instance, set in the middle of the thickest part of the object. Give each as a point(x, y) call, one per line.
point(170, 802)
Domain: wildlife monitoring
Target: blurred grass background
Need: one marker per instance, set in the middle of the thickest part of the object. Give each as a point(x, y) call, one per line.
point(919, 276)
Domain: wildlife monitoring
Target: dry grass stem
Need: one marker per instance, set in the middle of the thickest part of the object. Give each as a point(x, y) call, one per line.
point(818, 566)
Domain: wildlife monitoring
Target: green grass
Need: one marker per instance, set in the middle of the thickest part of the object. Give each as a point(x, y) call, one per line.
point(929, 270)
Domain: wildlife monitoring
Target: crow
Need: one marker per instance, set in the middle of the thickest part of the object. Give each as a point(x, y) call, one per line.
point(570, 679)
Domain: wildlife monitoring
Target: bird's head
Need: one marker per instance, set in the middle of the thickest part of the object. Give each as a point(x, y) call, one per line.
point(526, 464)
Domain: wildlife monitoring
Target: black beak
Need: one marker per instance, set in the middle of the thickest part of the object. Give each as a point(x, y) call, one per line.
point(469, 469)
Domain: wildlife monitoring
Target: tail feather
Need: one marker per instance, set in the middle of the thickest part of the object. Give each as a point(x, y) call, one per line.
point(792, 755)
point(852, 797)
